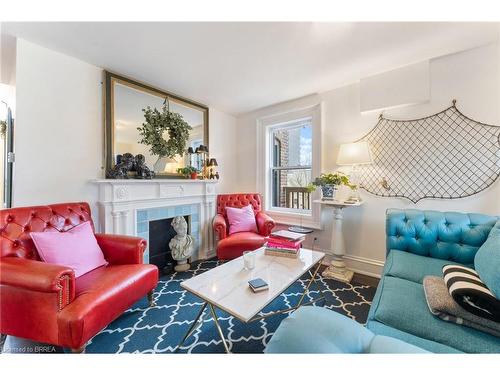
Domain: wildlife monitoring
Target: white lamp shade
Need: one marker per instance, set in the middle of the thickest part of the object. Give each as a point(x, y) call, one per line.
point(171, 165)
point(354, 154)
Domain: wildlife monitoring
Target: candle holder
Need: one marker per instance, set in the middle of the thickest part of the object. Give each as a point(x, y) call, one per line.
point(201, 153)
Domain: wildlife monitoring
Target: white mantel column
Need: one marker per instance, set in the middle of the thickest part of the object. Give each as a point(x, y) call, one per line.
point(116, 215)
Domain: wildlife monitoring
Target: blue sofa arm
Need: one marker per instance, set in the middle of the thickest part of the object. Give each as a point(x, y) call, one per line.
point(451, 236)
point(330, 333)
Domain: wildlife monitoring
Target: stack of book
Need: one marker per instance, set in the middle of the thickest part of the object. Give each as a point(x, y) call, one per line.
point(284, 243)
point(258, 285)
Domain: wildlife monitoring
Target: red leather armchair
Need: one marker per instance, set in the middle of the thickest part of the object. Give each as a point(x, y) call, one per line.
point(232, 246)
point(45, 302)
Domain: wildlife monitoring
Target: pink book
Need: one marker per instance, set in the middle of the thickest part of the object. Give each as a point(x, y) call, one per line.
point(282, 248)
point(275, 242)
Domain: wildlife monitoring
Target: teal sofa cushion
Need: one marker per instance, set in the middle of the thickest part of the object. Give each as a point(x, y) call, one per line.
point(390, 345)
point(413, 267)
point(451, 236)
point(331, 332)
point(487, 261)
point(401, 304)
point(432, 346)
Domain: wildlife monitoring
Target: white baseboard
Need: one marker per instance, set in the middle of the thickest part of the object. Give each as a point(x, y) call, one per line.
point(364, 266)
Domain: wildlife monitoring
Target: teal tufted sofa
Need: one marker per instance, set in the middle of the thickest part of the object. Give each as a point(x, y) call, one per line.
point(330, 333)
point(418, 244)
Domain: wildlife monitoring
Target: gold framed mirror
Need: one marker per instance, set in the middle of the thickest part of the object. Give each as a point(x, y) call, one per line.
point(125, 100)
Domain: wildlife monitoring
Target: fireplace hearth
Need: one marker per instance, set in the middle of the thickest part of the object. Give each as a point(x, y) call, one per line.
point(160, 234)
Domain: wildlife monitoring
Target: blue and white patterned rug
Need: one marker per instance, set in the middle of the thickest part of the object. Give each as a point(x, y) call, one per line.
point(143, 329)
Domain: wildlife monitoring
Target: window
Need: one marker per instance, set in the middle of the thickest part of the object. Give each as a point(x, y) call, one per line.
point(291, 165)
point(288, 157)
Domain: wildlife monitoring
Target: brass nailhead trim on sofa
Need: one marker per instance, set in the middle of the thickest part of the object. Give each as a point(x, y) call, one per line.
point(63, 282)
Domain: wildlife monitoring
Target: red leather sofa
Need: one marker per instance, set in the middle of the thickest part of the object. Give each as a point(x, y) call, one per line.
point(233, 246)
point(45, 302)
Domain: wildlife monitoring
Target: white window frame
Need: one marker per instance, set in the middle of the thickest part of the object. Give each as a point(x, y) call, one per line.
point(265, 126)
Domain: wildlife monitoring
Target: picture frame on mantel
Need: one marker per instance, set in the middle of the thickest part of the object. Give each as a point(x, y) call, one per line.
point(124, 99)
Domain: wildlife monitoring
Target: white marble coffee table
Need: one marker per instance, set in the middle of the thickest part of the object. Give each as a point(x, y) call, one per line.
point(226, 286)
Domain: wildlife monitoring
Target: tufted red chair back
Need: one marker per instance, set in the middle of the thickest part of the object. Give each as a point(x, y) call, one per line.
point(17, 223)
point(238, 200)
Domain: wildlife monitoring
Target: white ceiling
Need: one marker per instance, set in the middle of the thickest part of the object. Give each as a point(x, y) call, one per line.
point(239, 67)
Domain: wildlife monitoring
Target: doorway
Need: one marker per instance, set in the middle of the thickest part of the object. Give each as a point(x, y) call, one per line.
point(6, 155)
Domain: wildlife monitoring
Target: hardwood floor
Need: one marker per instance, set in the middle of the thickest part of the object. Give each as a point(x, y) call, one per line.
point(361, 279)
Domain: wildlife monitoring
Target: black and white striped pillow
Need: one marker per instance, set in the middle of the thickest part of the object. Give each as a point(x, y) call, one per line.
point(470, 292)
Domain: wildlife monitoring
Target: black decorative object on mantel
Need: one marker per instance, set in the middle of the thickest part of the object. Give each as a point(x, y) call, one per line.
point(142, 170)
point(129, 163)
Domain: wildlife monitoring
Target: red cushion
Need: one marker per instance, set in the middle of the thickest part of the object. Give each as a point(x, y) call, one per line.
point(233, 246)
point(238, 200)
point(101, 296)
point(16, 224)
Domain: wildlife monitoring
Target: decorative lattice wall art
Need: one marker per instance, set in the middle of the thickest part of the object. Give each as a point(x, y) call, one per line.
point(445, 155)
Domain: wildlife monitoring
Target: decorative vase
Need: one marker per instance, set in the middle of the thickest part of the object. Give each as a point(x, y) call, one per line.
point(160, 164)
point(328, 192)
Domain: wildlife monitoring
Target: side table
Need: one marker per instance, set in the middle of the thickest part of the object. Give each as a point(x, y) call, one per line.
point(337, 269)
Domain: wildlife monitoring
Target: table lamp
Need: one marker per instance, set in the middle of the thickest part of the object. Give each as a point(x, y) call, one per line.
point(355, 154)
point(212, 163)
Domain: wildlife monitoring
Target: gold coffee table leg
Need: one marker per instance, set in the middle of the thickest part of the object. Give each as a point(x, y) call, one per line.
point(219, 329)
point(192, 328)
point(313, 277)
point(311, 281)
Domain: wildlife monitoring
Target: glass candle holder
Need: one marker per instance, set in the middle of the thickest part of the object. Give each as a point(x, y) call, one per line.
point(249, 260)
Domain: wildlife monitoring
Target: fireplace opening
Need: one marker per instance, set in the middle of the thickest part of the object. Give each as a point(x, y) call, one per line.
point(160, 234)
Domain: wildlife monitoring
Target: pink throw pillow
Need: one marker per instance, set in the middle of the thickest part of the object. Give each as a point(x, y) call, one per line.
point(241, 219)
point(76, 248)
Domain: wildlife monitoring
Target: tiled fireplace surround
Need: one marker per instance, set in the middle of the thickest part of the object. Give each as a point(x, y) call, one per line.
point(127, 207)
point(145, 216)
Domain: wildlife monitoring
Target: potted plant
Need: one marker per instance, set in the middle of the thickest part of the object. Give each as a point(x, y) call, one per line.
point(188, 172)
point(329, 183)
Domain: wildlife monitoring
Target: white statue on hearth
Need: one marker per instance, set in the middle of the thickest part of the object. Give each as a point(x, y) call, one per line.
point(182, 245)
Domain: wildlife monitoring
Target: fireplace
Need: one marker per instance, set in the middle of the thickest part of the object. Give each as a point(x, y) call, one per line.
point(128, 206)
point(154, 225)
point(160, 234)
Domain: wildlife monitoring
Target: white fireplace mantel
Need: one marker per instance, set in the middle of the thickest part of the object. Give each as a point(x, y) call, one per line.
point(119, 201)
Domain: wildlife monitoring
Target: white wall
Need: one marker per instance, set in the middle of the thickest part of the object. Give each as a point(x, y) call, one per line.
point(406, 85)
point(223, 146)
point(7, 59)
point(59, 130)
point(471, 77)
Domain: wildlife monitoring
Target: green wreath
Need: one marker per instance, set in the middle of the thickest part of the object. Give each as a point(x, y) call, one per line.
point(156, 124)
